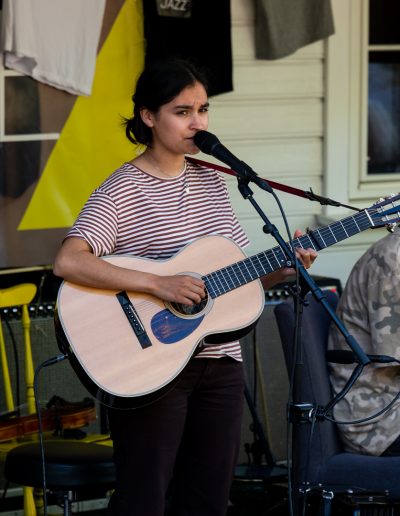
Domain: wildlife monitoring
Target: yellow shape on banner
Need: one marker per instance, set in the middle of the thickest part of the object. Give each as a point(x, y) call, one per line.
point(92, 143)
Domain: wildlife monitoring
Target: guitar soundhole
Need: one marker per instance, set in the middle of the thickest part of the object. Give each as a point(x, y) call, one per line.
point(188, 310)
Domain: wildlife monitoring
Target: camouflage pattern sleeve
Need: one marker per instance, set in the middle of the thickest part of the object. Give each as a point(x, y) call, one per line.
point(370, 310)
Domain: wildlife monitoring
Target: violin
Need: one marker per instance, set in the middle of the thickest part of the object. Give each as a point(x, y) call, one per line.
point(58, 416)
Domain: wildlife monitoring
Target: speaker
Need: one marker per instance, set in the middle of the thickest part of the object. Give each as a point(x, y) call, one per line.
point(55, 380)
point(267, 378)
point(267, 385)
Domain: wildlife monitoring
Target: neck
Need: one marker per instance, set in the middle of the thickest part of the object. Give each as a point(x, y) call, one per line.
point(162, 166)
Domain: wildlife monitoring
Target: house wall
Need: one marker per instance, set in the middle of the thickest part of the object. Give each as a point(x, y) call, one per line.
point(274, 120)
point(282, 119)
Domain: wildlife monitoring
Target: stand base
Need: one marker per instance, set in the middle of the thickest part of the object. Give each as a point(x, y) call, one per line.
point(259, 491)
point(261, 472)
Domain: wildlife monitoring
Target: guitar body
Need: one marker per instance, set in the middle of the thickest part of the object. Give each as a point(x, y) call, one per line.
point(124, 369)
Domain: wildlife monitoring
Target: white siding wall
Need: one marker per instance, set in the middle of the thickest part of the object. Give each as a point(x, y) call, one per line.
point(343, 135)
point(273, 120)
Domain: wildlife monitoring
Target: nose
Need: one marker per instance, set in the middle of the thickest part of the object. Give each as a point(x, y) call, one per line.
point(199, 121)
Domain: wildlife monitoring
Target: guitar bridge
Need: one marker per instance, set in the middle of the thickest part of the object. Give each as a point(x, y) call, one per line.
point(133, 319)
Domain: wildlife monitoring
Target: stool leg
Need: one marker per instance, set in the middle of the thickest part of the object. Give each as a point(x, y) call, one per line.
point(38, 497)
point(67, 499)
point(29, 503)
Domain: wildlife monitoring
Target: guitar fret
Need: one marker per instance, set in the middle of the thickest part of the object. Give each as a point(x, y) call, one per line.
point(274, 257)
point(245, 271)
point(242, 280)
point(249, 264)
point(261, 264)
point(254, 274)
point(280, 256)
point(258, 266)
point(210, 287)
point(341, 231)
point(326, 235)
point(223, 275)
point(310, 242)
point(321, 237)
point(217, 283)
point(234, 272)
point(330, 229)
point(352, 227)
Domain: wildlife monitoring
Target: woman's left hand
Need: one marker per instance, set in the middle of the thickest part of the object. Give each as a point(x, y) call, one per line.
point(305, 256)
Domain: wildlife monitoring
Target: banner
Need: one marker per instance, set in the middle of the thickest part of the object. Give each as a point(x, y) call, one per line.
point(45, 181)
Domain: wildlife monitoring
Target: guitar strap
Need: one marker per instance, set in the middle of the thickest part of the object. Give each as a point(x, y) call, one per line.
point(310, 195)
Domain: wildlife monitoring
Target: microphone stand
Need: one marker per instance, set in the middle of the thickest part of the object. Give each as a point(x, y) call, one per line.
point(269, 228)
point(300, 411)
point(296, 410)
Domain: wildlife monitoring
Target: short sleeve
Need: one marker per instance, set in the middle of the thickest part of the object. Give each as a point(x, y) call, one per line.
point(97, 223)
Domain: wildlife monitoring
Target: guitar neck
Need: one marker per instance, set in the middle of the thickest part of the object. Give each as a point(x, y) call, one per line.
point(240, 273)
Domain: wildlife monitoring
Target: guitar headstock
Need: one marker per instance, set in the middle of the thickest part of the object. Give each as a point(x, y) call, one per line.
point(386, 212)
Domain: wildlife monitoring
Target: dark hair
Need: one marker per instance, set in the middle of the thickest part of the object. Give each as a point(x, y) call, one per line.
point(159, 83)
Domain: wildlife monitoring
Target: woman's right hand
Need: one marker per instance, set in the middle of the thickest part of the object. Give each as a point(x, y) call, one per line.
point(181, 288)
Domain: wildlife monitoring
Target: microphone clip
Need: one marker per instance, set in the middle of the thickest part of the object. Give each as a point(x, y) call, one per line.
point(300, 413)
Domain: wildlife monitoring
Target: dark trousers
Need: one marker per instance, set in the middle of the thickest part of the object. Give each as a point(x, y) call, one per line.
point(190, 435)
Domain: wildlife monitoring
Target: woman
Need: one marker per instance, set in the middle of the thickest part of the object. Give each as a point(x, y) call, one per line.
point(151, 207)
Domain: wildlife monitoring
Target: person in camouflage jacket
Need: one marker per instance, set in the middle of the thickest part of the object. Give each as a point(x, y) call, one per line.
point(370, 309)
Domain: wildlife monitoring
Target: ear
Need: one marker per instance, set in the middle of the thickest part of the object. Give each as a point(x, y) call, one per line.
point(147, 117)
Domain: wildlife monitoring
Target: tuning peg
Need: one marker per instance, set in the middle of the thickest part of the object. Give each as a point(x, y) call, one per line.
point(391, 227)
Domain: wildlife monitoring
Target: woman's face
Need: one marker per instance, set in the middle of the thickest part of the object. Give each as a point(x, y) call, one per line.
point(175, 123)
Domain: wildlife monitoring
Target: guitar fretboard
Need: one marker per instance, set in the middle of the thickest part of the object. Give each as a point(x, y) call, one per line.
point(240, 273)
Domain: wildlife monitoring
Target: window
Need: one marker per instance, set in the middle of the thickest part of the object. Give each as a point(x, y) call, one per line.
point(383, 87)
point(363, 102)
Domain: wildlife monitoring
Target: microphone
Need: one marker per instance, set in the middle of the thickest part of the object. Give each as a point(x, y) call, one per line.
point(342, 356)
point(210, 144)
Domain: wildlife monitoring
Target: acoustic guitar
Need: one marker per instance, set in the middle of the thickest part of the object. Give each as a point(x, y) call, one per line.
point(129, 347)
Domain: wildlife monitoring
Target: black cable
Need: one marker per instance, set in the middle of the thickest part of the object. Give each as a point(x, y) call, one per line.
point(16, 364)
point(355, 374)
point(40, 288)
point(369, 418)
point(50, 361)
point(307, 466)
point(292, 372)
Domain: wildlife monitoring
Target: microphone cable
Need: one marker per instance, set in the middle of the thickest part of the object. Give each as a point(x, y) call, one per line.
point(296, 337)
point(326, 412)
point(50, 361)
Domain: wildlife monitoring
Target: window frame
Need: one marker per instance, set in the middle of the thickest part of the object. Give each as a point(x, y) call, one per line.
point(346, 113)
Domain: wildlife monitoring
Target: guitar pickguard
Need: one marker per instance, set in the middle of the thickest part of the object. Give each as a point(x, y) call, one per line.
point(169, 328)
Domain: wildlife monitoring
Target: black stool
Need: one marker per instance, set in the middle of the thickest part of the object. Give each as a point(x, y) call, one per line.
point(70, 466)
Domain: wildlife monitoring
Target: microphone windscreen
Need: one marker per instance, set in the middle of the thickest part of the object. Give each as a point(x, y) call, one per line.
point(206, 141)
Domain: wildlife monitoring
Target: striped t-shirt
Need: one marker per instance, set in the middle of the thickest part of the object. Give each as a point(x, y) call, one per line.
point(135, 213)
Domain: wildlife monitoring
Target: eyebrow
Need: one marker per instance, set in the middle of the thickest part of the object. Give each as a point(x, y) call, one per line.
point(188, 106)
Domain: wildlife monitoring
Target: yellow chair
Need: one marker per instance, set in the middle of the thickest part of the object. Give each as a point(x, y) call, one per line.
point(24, 429)
point(19, 296)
